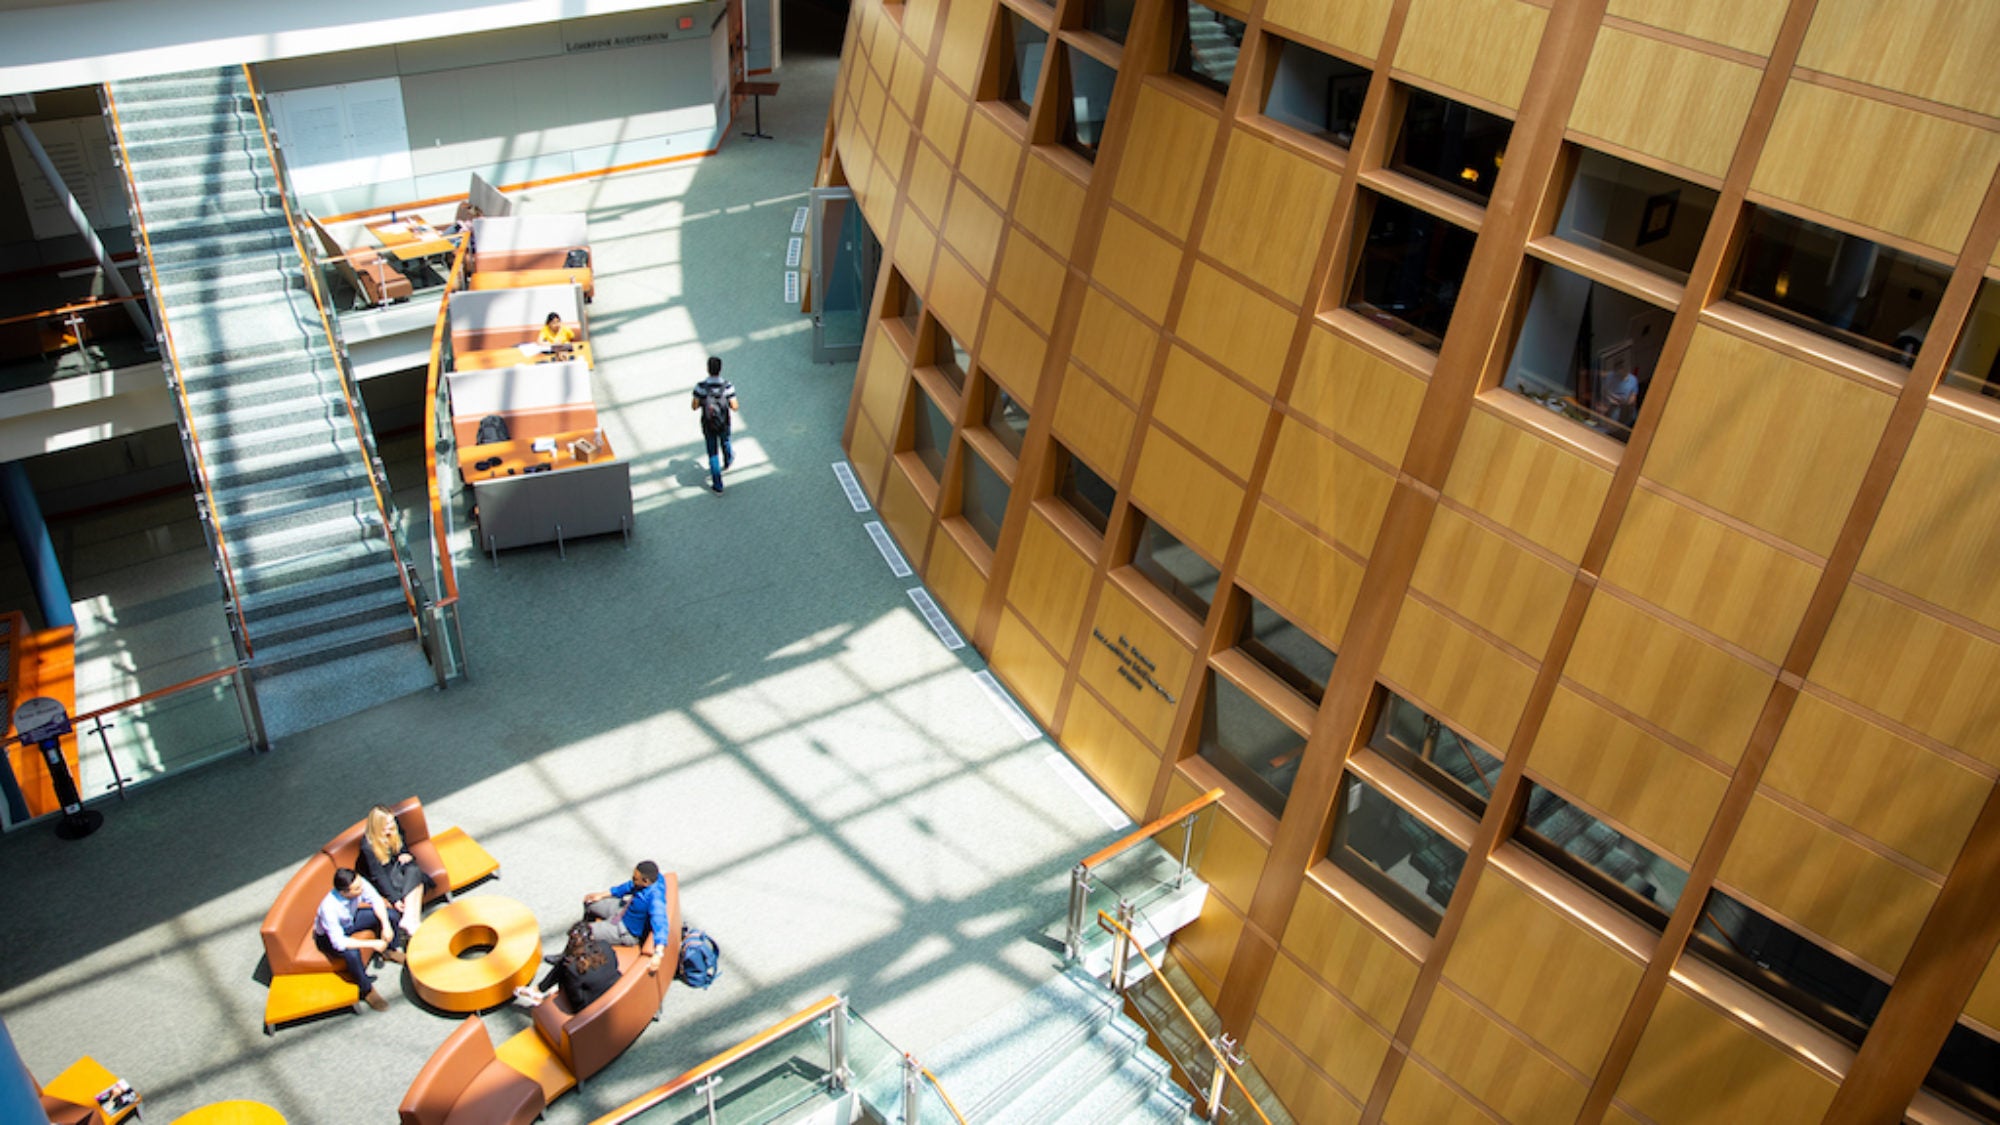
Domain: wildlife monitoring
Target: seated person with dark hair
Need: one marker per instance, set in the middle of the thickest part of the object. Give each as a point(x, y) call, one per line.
point(350, 907)
point(588, 967)
point(632, 912)
point(559, 338)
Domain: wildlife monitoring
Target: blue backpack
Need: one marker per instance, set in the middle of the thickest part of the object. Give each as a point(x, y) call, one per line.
point(701, 959)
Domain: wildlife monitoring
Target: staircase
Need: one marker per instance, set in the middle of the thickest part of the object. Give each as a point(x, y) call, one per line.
point(321, 595)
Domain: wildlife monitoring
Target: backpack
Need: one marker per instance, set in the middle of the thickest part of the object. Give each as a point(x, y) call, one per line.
point(715, 412)
point(701, 959)
point(492, 428)
point(576, 259)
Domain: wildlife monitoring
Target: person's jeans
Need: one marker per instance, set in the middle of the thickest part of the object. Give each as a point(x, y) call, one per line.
point(607, 921)
point(356, 959)
point(720, 457)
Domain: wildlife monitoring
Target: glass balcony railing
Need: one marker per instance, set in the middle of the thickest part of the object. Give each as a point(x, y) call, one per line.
point(1149, 866)
point(82, 338)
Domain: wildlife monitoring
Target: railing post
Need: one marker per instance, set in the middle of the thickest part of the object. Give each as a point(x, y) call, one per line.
point(708, 1095)
point(1079, 901)
point(118, 778)
point(910, 1077)
point(1187, 849)
point(1121, 947)
point(1225, 1049)
point(836, 1048)
point(246, 702)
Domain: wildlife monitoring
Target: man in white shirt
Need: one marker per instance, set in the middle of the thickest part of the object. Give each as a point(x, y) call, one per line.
point(353, 906)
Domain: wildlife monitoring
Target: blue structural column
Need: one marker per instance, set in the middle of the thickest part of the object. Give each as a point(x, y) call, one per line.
point(38, 552)
point(19, 1100)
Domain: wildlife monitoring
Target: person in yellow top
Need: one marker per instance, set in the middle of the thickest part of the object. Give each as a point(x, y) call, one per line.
point(557, 335)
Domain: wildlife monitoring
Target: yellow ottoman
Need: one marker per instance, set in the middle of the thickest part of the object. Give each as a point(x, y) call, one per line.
point(295, 996)
point(465, 862)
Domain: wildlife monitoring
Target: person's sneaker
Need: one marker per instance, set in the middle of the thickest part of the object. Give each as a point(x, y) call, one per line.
point(376, 1001)
point(729, 460)
point(552, 959)
point(395, 955)
point(715, 488)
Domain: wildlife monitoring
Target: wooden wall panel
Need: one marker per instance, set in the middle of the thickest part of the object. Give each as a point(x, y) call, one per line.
point(1115, 344)
point(915, 249)
point(905, 514)
point(1938, 50)
point(1049, 204)
point(1093, 423)
point(1350, 955)
point(882, 382)
point(955, 579)
point(1464, 680)
point(945, 111)
point(1422, 1098)
point(1328, 485)
point(1032, 278)
point(956, 298)
point(1660, 793)
point(1703, 571)
point(1984, 1005)
point(1233, 859)
point(869, 451)
point(1314, 1022)
point(1268, 212)
point(1731, 23)
point(1771, 440)
point(1666, 100)
point(1534, 967)
point(929, 183)
point(1050, 582)
point(919, 20)
point(1012, 351)
point(1137, 265)
point(894, 144)
point(1906, 796)
point(1149, 713)
point(1695, 1066)
point(906, 86)
point(1357, 394)
point(1299, 574)
point(1939, 532)
point(1030, 670)
point(1159, 177)
point(1923, 176)
point(1550, 495)
point(1236, 326)
point(1673, 679)
point(1915, 669)
point(1482, 47)
point(1494, 1065)
point(1211, 412)
point(1117, 759)
point(1827, 883)
point(973, 228)
point(1355, 27)
point(1492, 581)
point(1210, 940)
point(991, 157)
point(1302, 1088)
point(1199, 503)
point(964, 46)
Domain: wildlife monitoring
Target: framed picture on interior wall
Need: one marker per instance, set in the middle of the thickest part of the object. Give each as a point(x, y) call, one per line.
point(1658, 217)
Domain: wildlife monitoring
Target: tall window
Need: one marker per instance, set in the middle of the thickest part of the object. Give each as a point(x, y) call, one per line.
point(1634, 214)
point(1450, 145)
point(1019, 51)
point(1085, 493)
point(950, 357)
point(983, 496)
point(931, 432)
point(1411, 865)
point(1968, 1070)
point(1249, 745)
point(1601, 857)
point(1587, 351)
point(1858, 292)
point(1285, 650)
point(1109, 18)
point(1433, 753)
point(1318, 94)
point(1412, 264)
point(1005, 417)
point(1837, 994)
point(1086, 88)
point(1206, 43)
point(1175, 568)
point(1975, 365)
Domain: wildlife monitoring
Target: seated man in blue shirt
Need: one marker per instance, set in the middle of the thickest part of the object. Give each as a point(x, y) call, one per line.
point(353, 906)
point(632, 912)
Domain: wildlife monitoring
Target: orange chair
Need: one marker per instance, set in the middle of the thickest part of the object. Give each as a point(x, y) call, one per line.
point(465, 1083)
point(587, 1041)
point(380, 282)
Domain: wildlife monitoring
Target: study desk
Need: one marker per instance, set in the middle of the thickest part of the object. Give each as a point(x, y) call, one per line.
point(409, 238)
point(518, 455)
point(514, 356)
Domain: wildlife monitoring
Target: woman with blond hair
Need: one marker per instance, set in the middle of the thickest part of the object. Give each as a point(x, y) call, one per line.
point(391, 869)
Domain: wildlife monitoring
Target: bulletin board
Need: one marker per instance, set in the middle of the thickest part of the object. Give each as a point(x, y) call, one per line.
point(345, 135)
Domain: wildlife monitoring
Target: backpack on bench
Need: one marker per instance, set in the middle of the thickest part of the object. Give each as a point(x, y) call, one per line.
point(701, 959)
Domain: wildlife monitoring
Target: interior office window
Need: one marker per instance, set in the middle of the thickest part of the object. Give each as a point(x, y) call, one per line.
point(1975, 365)
point(1858, 292)
point(1086, 87)
point(1206, 43)
point(1406, 862)
point(1412, 264)
point(1086, 493)
point(1440, 757)
point(1174, 567)
point(1587, 351)
point(1109, 18)
point(1285, 650)
point(1249, 745)
point(1789, 967)
point(982, 497)
point(1601, 857)
point(1006, 418)
point(1967, 1070)
point(932, 433)
point(1020, 51)
point(950, 357)
point(1642, 217)
point(1450, 145)
point(1315, 93)
point(905, 306)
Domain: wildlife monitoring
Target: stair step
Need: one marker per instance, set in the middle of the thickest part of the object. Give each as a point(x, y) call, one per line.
point(1070, 1080)
point(230, 228)
point(237, 290)
point(215, 399)
point(270, 364)
point(268, 246)
point(182, 84)
point(315, 434)
point(308, 621)
point(153, 106)
point(277, 574)
point(245, 199)
point(196, 347)
point(255, 548)
point(368, 574)
point(306, 407)
point(183, 269)
point(1140, 1090)
point(234, 471)
point(157, 186)
point(286, 656)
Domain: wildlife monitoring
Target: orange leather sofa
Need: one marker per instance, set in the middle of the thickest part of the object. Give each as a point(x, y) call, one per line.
point(587, 1041)
point(465, 1083)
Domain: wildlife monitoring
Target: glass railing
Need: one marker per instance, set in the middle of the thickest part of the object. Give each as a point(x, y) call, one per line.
point(163, 731)
point(80, 338)
point(821, 1055)
point(440, 467)
point(1145, 867)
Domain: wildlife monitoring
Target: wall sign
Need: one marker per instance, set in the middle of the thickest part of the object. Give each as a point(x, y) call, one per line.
point(1133, 667)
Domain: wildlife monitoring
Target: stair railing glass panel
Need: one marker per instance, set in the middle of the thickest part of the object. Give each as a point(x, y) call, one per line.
point(449, 642)
point(81, 337)
point(162, 731)
point(892, 1082)
point(1141, 868)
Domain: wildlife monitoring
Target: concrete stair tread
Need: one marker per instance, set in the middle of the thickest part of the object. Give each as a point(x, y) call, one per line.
point(271, 438)
point(291, 570)
point(378, 573)
point(296, 505)
point(328, 618)
point(241, 470)
point(213, 400)
point(309, 695)
point(1140, 1089)
point(331, 644)
point(1075, 1076)
point(309, 406)
point(256, 546)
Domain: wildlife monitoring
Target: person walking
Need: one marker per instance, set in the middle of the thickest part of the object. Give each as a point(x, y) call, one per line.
point(715, 399)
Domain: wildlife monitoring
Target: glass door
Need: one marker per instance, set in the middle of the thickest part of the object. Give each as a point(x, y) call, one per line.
point(845, 258)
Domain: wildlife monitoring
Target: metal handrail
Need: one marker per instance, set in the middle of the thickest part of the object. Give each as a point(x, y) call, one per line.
point(1151, 829)
point(939, 1087)
point(86, 306)
point(1079, 876)
point(361, 435)
point(1222, 1064)
point(722, 1061)
point(214, 520)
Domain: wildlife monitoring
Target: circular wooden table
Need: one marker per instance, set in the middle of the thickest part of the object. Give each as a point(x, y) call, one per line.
point(232, 1113)
point(445, 978)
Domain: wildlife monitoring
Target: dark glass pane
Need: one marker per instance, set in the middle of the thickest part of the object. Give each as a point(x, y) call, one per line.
point(1109, 18)
point(1587, 351)
point(1207, 42)
point(1601, 857)
point(1411, 268)
point(1090, 495)
point(1315, 93)
point(1174, 567)
point(1249, 745)
point(1006, 418)
point(982, 498)
point(933, 433)
point(1451, 146)
point(1022, 45)
point(1405, 861)
point(1087, 86)
point(1968, 1071)
point(1434, 753)
point(1287, 650)
point(909, 308)
point(951, 359)
point(1858, 292)
point(1635, 214)
point(1975, 366)
point(1834, 993)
